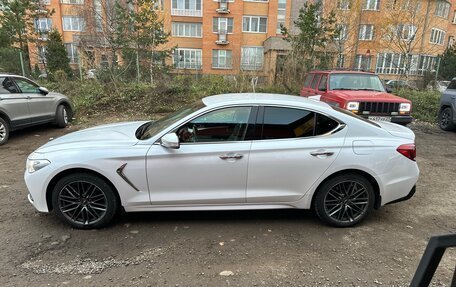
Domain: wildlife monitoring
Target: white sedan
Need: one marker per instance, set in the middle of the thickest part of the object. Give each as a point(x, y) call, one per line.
point(227, 152)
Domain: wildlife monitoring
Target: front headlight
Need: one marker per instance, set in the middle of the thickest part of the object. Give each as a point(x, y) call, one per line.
point(404, 107)
point(36, 164)
point(353, 106)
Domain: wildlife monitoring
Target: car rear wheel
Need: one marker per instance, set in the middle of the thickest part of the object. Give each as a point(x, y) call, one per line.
point(62, 116)
point(344, 200)
point(84, 201)
point(4, 131)
point(446, 119)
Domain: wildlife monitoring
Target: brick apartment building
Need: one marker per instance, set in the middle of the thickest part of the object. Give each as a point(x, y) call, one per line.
point(243, 36)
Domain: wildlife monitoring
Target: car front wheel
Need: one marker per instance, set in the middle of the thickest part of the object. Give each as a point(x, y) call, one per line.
point(446, 119)
point(84, 201)
point(344, 200)
point(4, 131)
point(62, 116)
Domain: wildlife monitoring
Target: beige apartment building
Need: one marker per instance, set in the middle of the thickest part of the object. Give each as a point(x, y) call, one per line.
point(233, 37)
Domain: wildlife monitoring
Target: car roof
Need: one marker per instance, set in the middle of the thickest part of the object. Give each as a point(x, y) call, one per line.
point(262, 99)
point(342, 71)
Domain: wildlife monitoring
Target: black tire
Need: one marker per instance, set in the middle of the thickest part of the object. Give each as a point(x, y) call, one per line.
point(446, 119)
point(62, 116)
point(344, 200)
point(4, 131)
point(84, 201)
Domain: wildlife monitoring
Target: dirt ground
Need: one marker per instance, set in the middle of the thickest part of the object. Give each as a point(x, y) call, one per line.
point(259, 248)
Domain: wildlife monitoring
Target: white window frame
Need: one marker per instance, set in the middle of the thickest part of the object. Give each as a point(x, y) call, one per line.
point(362, 33)
point(281, 16)
point(408, 29)
point(98, 15)
point(361, 59)
point(454, 17)
point(72, 52)
point(442, 9)
point(186, 29)
point(222, 54)
point(73, 20)
point(344, 5)
point(73, 2)
point(257, 1)
point(41, 51)
point(371, 5)
point(195, 61)
point(219, 28)
point(250, 24)
point(343, 32)
point(45, 2)
point(180, 8)
point(255, 64)
point(40, 22)
point(437, 36)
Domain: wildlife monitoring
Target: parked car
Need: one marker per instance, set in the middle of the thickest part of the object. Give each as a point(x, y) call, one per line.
point(447, 111)
point(359, 92)
point(227, 152)
point(400, 84)
point(24, 103)
point(438, 86)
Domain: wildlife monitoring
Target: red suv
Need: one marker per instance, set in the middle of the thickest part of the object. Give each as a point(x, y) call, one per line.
point(359, 92)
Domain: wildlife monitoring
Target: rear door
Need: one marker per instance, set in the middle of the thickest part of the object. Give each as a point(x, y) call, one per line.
point(41, 106)
point(13, 103)
point(297, 146)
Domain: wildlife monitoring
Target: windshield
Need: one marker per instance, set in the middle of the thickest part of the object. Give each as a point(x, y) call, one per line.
point(356, 82)
point(149, 129)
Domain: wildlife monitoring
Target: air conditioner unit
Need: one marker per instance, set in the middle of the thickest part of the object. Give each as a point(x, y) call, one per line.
point(222, 38)
point(223, 7)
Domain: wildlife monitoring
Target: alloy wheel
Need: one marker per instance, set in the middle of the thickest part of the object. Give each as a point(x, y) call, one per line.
point(65, 115)
point(2, 131)
point(347, 201)
point(82, 202)
point(444, 119)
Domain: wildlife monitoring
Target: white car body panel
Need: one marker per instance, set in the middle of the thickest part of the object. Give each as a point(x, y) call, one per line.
point(271, 173)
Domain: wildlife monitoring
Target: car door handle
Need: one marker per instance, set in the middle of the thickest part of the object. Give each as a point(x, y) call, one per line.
point(231, 156)
point(321, 153)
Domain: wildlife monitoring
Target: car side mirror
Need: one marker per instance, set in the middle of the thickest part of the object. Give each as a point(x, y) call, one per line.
point(43, 90)
point(170, 140)
point(389, 90)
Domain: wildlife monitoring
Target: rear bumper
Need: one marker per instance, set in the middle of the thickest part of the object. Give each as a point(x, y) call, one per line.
point(407, 197)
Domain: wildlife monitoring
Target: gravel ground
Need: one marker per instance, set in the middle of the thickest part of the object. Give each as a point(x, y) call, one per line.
point(238, 248)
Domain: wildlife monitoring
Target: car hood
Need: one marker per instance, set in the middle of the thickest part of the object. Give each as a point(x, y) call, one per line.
point(397, 130)
point(369, 96)
point(104, 136)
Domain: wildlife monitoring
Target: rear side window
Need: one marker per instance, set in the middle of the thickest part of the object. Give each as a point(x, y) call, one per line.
point(323, 82)
point(452, 85)
point(308, 80)
point(281, 123)
point(7, 86)
point(325, 125)
point(315, 81)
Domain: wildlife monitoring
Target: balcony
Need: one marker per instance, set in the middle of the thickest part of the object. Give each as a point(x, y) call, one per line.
point(186, 12)
point(222, 38)
point(223, 7)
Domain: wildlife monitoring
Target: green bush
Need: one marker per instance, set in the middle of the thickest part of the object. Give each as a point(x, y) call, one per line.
point(425, 104)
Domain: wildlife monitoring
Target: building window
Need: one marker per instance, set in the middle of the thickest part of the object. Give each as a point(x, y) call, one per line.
point(73, 23)
point(371, 5)
point(366, 32)
point(45, 2)
point(343, 4)
point(450, 42)
point(426, 64)
point(182, 29)
point(98, 14)
point(256, 0)
point(43, 25)
point(186, 8)
point(188, 58)
point(221, 59)
point(72, 52)
point(437, 36)
point(442, 8)
point(396, 64)
point(254, 24)
point(159, 5)
point(362, 62)
point(281, 15)
point(454, 17)
point(72, 2)
point(41, 51)
point(252, 58)
point(220, 24)
point(342, 32)
point(340, 61)
point(406, 32)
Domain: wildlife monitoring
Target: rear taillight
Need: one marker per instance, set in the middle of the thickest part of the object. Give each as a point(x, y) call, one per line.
point(408, 150)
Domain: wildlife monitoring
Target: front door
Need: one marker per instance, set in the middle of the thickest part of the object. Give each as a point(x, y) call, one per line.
point(210, 167)
point(14, 103)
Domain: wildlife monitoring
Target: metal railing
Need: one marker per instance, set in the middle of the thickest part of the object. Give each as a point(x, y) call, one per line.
point(186, 12)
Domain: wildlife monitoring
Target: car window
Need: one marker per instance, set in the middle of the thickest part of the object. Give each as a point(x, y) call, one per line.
point(353, 81)
point(325, 125)
point(452, 85)
point(280, 123)
point(26, 87)
point(315, 81)
point(323, 81)
point(7, 86)
point(228, 124)
point(308, 80)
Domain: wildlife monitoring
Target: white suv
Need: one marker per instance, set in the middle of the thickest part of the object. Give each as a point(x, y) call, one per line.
point(24, 103)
